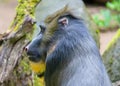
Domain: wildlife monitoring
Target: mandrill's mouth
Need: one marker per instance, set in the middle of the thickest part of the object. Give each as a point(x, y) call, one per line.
point(34, 58)
point(37, 64)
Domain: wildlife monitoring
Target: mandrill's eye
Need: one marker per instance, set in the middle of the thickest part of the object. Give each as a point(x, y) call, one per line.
point(40, 29)
point(63, 21)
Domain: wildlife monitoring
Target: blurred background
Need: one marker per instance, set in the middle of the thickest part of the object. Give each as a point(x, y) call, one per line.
point(99, 9)
point(7, 13)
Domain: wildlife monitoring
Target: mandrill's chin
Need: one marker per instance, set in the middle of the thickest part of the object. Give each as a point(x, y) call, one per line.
point(37, 67)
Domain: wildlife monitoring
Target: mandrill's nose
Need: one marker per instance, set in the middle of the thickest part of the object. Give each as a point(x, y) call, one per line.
point(27, 49)
point(31, 52)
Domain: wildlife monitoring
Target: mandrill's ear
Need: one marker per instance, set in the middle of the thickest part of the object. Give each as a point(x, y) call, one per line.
point(63, 21)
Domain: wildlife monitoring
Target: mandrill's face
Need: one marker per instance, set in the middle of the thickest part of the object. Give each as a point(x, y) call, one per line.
point(45, 42)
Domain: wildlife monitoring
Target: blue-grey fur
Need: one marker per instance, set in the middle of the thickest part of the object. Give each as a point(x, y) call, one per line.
point(76, 60)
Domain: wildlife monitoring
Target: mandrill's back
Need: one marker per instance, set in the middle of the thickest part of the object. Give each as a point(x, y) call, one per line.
point(76, 60)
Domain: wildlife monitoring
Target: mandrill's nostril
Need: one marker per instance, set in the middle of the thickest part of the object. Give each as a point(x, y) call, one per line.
point(25, 49)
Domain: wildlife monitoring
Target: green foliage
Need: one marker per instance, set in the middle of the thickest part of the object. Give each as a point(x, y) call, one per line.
point(105, 18)
point(25, 7)
point(117, 18)
point(37, 81)
point(25, 65)
point(114, 5)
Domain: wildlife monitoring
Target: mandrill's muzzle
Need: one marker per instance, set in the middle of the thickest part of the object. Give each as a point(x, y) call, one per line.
point(37, 65)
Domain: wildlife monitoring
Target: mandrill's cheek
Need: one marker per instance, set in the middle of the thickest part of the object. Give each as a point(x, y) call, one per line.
point(38, 67)
point(51, 49)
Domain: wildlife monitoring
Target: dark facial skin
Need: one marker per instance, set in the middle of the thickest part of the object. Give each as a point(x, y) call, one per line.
point(74, 60)
point(33, 49)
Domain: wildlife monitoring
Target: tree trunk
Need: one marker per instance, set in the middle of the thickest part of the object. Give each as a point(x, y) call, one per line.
point(14, 69)
point(111, 57)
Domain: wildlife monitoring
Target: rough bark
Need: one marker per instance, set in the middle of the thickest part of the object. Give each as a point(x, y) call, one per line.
point(14, 69)
point(11, 54)
point(111, 57)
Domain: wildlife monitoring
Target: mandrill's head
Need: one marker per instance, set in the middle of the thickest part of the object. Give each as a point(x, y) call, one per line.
point(45, 42)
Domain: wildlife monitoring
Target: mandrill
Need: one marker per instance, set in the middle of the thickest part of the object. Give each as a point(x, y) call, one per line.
point(70, 54)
